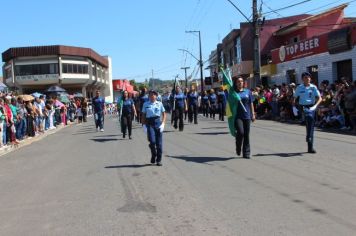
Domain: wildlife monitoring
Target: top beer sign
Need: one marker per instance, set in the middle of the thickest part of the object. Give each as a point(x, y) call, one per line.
point(301, 49)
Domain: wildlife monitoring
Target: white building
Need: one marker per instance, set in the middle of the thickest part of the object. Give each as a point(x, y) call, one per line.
point(34, 69)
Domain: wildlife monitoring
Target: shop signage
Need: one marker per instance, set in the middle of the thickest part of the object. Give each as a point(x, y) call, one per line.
point(301, 49)
point(37, 77)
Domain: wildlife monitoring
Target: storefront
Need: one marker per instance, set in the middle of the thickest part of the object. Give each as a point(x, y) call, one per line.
point(330, 57)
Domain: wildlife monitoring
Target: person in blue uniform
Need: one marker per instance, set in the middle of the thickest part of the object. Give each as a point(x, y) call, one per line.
point(127, 115)
point(309, 99)
point(192, 99)
point(153, 111)
point(142, 99)
point(180, 106)
point(205, 104)
point(244, 115)
point(221, 103)
point(212, 103)
point(99, 109)
point(186, 92)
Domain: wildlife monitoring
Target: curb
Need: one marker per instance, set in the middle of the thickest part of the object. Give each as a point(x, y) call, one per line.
point(28, 141)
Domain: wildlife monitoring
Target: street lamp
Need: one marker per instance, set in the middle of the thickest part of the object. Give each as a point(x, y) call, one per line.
point(200, 59)
point(185, 73)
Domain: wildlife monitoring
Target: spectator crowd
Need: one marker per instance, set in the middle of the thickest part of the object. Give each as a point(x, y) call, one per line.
point(337, 110)
point(26, 116)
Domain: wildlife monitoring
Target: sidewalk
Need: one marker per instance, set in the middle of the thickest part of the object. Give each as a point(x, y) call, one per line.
point(30, 140)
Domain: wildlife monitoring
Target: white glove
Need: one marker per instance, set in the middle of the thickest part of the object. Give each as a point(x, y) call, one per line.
point(161, 128)
point(145, 128)
point(312, 108)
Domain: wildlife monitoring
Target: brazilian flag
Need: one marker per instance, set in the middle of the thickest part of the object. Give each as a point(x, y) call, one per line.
point(234, 100)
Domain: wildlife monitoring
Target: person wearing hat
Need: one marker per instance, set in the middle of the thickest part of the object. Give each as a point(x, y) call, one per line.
point(309, 98)
point(221, 103)
point(152, 111)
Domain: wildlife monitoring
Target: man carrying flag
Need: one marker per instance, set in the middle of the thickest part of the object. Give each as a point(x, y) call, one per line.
point(240, 113)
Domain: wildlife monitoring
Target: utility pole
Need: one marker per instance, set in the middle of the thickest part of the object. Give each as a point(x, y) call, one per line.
point(256, 23)
point(185, 73)
point(200, 60)
point(153, 83)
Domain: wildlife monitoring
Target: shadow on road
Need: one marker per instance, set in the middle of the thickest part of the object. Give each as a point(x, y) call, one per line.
point(103, 140)
point(201, 159)
point(215, 128)
point(127, 166)
point(107, 135)
point(80, 133)
point(213, 133)
point(294, 154)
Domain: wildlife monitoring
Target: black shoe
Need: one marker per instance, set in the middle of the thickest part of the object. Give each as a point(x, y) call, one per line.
point(312, 151)
point(123, 135)
point(159, 164)
point(130, 137)
point(153, 161)
point(238, 152)
point(246, 157)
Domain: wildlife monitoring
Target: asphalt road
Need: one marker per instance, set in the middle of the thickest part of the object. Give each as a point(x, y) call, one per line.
point(82, 182)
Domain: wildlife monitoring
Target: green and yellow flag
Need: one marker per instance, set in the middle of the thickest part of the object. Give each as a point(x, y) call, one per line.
point(233, 101)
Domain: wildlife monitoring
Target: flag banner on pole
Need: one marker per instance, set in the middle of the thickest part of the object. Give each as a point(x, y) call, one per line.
point(233, 101)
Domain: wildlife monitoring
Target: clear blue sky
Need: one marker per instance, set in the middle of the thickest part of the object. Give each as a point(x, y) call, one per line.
point(139, 36)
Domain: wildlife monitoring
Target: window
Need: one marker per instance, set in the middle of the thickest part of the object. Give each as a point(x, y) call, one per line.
point(8, 73)
point(37, 69)
point(295, 39)
point(74, 68)
point(238, 50)
point(231, 56)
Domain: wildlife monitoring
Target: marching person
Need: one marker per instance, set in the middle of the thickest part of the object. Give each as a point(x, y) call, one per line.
point(142, 99)
point(186, 92)
point(192, 99)
point(99, 109)
point(154, 126)
point(244, 115)
point(221, 103)
point(128, 114)
point(212, 103)
point(180, 105)
point(309, 98)
point(205, 104)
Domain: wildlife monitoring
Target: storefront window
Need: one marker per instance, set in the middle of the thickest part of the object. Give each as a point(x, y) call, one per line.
point(238, 50)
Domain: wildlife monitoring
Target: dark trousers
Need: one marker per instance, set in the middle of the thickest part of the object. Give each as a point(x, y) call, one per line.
point(221, 111)
point(205, 110)
point(155, 138)
point(243, 137)
point(212, 111)
point(178, 116)
point(126, 124)
point(185, 115)
point(310, 123)
point(193, 113)
point(99, 119)
point(21, 128)
point(85, 114)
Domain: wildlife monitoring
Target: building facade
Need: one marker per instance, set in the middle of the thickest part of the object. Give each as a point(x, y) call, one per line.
point(34, 69)
point(323, 45)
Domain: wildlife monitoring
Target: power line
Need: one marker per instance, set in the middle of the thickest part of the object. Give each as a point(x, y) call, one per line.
point(239, 10)
point(283, 8)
